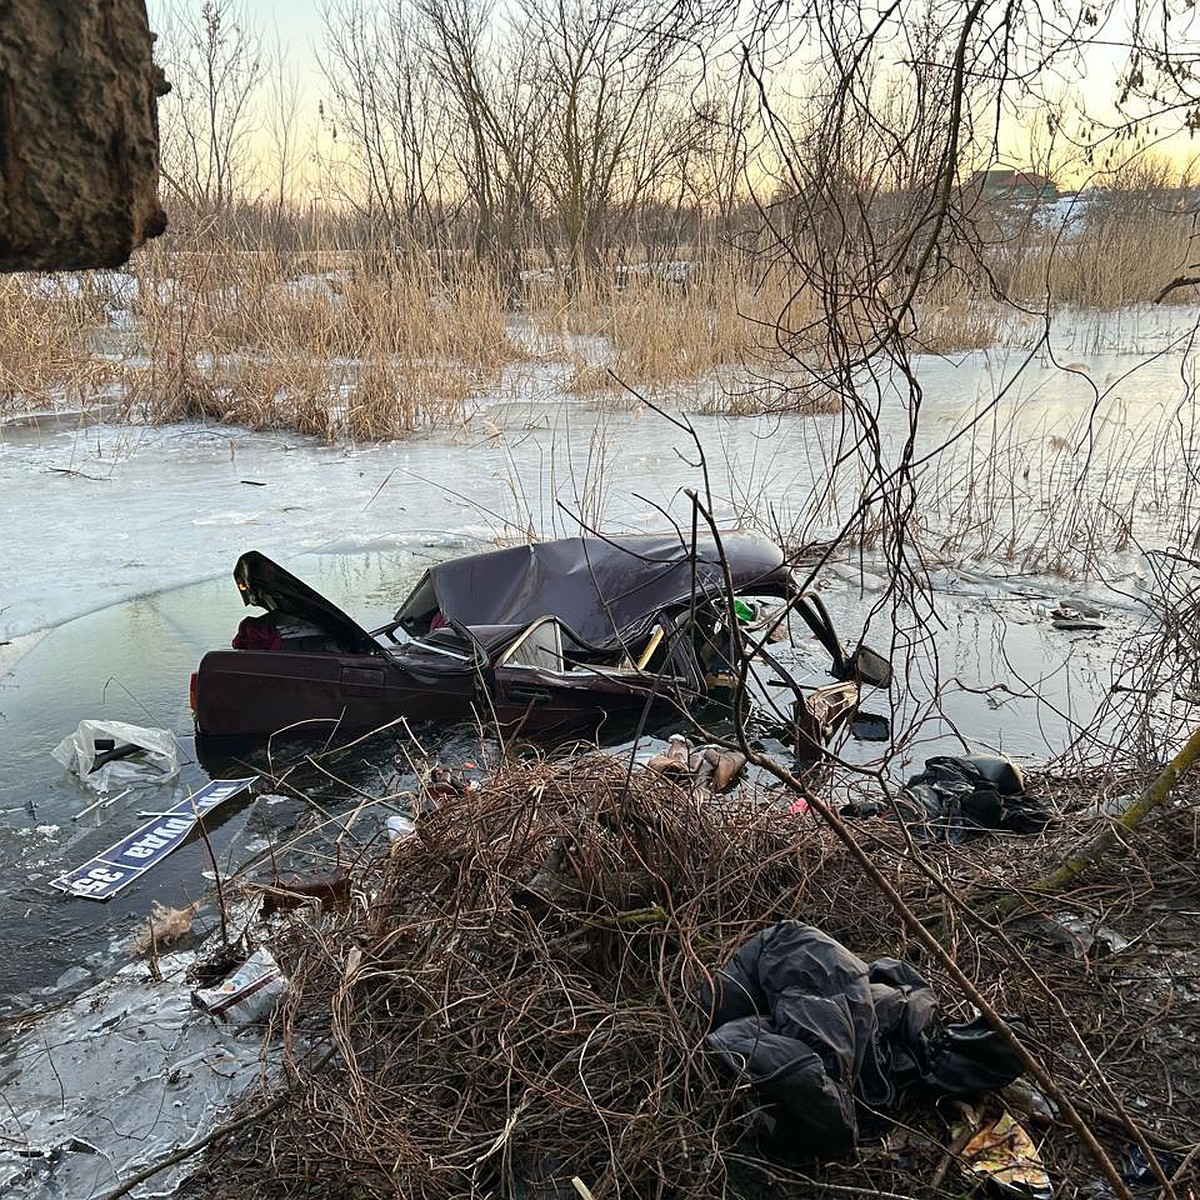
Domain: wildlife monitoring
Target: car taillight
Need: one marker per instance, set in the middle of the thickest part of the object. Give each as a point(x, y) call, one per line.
point(192, 690)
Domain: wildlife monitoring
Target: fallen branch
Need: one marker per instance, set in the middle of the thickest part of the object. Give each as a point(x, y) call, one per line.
point(186, 1152)
point(1092, 851)
point(631, 918)
point(1178, 282)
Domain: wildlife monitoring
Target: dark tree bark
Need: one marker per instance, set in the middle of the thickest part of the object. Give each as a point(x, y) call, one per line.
point(78, 133)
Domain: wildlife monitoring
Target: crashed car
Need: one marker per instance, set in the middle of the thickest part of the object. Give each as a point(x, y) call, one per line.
point(557, 637)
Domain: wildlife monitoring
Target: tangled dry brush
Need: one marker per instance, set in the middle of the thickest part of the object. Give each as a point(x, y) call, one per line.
point(513, 999)
point(518, 1002)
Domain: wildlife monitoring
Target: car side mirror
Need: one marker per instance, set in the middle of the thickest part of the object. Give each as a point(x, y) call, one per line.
point(867, 667)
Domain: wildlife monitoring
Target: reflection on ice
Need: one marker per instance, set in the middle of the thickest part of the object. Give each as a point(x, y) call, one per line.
point(114, 1081)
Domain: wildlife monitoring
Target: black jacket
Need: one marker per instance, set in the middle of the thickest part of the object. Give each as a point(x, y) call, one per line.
point(815, 1030)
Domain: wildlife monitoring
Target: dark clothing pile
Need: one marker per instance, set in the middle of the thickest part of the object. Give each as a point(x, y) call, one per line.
point(818, 1032)
point(960, 796)
point(956, 796)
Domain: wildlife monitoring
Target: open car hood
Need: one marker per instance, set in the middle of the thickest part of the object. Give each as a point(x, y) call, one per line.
point(603, 589)
point(266, 584)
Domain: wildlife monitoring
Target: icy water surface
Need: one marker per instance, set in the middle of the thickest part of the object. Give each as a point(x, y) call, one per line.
point(129, 662)
point(1043, 447)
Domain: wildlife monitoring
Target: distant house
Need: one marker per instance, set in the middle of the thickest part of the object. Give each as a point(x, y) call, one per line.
point(1005, 183)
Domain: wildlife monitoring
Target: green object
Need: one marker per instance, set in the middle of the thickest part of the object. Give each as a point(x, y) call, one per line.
point(743, 611)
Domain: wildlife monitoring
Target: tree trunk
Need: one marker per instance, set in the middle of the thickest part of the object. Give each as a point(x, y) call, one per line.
point(78, 133)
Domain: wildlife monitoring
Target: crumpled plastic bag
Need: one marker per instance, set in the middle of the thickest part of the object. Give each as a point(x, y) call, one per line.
point(156, 759)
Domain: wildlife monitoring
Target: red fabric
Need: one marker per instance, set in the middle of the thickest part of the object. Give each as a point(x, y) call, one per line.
point(257, 633)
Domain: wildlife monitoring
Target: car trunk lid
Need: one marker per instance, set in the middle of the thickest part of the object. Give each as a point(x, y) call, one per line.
point(266, 584)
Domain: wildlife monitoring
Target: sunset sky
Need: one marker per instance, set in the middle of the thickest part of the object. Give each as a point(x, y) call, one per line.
point(294, 29)
point(295, 24)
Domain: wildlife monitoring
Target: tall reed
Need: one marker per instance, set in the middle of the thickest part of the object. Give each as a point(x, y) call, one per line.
point(377, 343)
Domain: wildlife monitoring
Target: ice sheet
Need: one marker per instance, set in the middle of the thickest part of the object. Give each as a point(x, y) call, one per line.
point(134, 510)
point(114, 1081)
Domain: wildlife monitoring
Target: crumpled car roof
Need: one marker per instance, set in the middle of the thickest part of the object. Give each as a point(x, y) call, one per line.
point(604, 589)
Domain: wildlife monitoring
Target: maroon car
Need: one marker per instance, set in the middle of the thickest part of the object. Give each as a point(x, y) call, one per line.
point(554, 637)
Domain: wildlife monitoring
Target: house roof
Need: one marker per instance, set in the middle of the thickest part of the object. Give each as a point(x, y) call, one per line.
point(1011, 177)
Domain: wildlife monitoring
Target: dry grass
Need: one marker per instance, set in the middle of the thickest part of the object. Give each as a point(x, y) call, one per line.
point(588, 378)
point(514, 997)
point(164, 927)
point(663, 334)
point(369, 350)
point(785, 390)
point(1115, 251)
point(665, 326)
point(366, 348)
point(230, 337)
point(953, 317)
point(369, 345)
point(47, 356)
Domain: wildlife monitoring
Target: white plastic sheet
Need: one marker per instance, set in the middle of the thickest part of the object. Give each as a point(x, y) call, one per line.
point(157, 762)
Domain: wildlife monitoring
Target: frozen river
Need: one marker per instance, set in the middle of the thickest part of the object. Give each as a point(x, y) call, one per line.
point(1038, 446)
point(120, 540)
